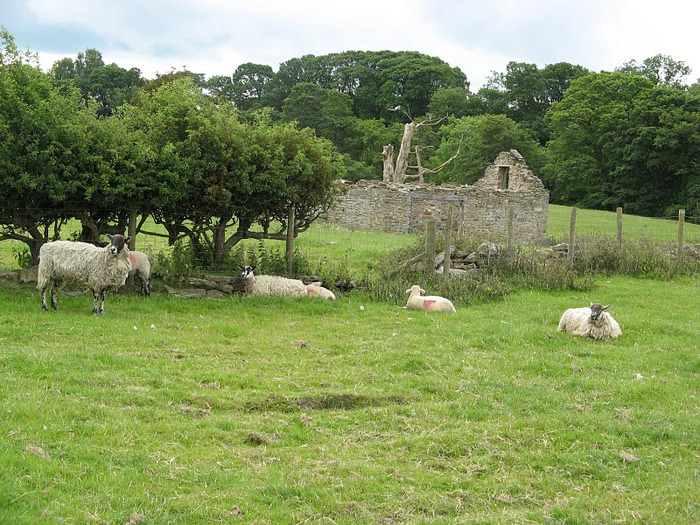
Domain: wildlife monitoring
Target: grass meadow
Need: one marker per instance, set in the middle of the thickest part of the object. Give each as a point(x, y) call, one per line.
point(281, 411)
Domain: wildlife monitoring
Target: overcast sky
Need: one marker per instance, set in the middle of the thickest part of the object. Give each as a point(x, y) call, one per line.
point(214, 37)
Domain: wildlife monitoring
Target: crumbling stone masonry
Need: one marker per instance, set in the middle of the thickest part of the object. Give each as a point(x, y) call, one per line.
point(508, 197)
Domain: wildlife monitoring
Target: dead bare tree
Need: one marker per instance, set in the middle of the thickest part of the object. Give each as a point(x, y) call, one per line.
point(397, 171)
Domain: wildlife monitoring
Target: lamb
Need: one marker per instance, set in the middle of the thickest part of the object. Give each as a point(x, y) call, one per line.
point(271, 284)
point(427, 303)
point(141, 268)
point(592, 322)
point(100, 269)
point(316, 290)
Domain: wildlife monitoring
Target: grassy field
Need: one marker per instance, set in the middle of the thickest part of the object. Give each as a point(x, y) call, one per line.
point(270, 410)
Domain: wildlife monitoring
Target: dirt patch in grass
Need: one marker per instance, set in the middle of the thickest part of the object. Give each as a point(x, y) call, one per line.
point(322, 402)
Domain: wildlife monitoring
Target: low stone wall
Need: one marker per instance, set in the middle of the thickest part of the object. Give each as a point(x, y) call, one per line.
point(484, 213)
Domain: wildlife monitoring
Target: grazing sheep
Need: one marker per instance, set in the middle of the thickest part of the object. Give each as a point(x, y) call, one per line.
point(316, 290)
point(592, 322)
point(141, 268)
point(100, 269)
point(271, 284)
point(427, 303)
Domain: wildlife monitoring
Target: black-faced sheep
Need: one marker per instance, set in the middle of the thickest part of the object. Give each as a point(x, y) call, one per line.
point(271, 284)
point(141, 269)
point(427, 303)
point(100, 269)
point(593, 322)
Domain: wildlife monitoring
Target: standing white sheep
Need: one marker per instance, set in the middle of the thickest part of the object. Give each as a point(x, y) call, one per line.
point(141, 269)
point(592, 322)
point(317, 290)
point(271, 284)
point(100, 269)
point(427, 303)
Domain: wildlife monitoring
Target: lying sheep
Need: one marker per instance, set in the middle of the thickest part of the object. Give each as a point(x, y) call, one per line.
point(592, 322)
point(141, 269)
point(100, 269)
point(317, 290)
point(427, 303)
point(271, 284)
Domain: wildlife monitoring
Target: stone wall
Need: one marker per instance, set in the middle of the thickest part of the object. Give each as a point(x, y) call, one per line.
point(509, 196)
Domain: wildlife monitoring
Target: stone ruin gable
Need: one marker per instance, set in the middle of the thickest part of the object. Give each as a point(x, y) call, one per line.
point(482, 210)
point(510, 172)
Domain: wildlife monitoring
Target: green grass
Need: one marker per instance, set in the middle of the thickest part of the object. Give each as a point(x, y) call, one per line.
point(594, 222)
point(271, 410)
point(194, 411)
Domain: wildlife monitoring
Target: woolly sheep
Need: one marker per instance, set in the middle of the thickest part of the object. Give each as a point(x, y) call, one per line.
point(593, 322)
point(271, 284)
point(141, 269)
point(100, 269)
point(427, 303)
point(316, 290)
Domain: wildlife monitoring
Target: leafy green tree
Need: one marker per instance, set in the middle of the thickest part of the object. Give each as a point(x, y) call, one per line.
point(482, 138)
point(622, 140)
point(215, 177)
point(39, 150)
point(451, 101)
point(250, 82)
point(660, 69)
point(110, 85)
point(524, 93)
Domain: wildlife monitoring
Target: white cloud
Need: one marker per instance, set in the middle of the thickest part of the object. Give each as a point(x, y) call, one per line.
point(216, 36)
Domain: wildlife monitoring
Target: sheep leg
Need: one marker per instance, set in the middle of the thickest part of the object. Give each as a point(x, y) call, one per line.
point(54, 294)
point(43, 298)
point(98, 305)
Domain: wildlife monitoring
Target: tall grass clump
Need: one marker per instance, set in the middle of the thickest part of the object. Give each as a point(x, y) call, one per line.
point(525, 267)
point(639, 257)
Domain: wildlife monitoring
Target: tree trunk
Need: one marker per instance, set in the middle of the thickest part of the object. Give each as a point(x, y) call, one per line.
point(404, 152)
point(388, 155)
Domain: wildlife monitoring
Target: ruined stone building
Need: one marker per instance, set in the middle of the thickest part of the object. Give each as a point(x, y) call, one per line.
point(507, 198)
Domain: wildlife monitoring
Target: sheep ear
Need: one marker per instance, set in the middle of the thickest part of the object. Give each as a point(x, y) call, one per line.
point(127, 239)
point(422, 291)
point(606, 307)
point(109, 236)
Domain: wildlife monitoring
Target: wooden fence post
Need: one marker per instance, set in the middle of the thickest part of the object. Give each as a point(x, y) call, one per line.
point(290, 241)
point(429, 246)
point(572, 234)
point(619, 227)
point(447, 262)
point(681, 231)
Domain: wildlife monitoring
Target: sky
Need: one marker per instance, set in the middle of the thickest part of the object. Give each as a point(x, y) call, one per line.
point(214, 37)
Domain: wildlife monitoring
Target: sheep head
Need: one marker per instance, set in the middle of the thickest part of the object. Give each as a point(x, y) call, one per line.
point(117, 243)
point(597, 310)
point(247, 271)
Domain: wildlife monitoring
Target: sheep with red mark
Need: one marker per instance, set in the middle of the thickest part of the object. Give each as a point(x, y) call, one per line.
point(141, 269)
point(427, 303)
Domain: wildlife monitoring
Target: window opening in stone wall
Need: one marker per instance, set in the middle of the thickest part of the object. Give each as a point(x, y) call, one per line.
point(503, 176)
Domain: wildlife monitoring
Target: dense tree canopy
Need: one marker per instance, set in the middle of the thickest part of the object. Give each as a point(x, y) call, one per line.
point(622, 140)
